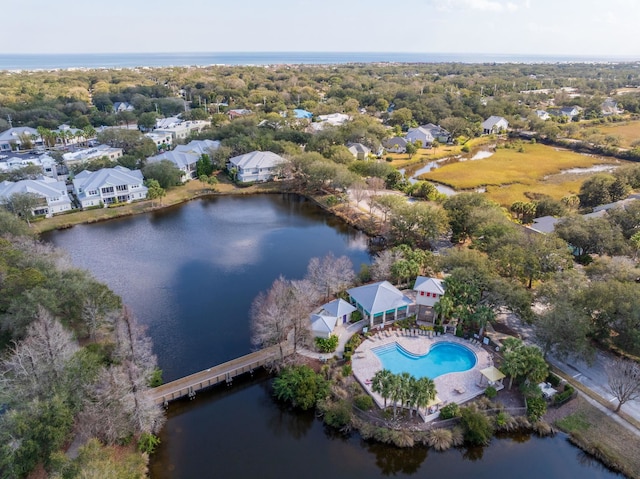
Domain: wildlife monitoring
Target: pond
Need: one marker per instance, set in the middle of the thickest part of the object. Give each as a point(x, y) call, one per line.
point(190, 274)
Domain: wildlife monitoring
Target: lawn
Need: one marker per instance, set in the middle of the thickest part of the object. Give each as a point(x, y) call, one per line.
point(510, 175)
point(595, 432)
point(425, 155)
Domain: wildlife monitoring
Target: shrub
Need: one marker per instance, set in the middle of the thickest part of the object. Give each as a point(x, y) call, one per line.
point(355, 316)
point(338, 415)
point(553, 380)
point(465, 148)
point(536, 407)
point(450, 411)
point(346, 370)
point(327, 345)
point(148, 442)
point(564, 396)
point(300, 386)
point(477, 426)
point(332, 200)
point(363, 402)
point(490, 392)
point(440, 439)
point(155, 379)
point(389, 159)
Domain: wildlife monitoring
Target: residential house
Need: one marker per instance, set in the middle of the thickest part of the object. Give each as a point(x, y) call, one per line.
point(109, 185)
point(542, 115)
point(162, 140)
point(494, 125)
point(569, 112)
point(331, 314)
point(256, 166)
point(333, 119)
point(544, 224)
point(359, 151)
point(185, 161)
point(86, 154)
point(13, 138)
point(380, 303)
point(53, 193)
point(437, 132)
point(120, 106)
point(179, 130)
point(199, 147)
point(396, 144)
point(610, 107)
point(420, 134)
point(67, 135)
point(15, 161)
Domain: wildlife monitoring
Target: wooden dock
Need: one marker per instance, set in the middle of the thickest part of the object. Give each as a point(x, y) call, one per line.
point(225, 372)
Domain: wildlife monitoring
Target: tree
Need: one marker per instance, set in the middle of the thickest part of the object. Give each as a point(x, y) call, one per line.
point(461, 220)
point(591, 235)
point(155, 191)
point(563, 329)
point(330, 275)
point(596, 190)
point(382, 383)
point(23, 204)
point(300, 386)
point(147, 120)
point(523, 361)
point(204, 166)
point(164, 172)
point(624, 380)
point(411, 149)
point(478, 430)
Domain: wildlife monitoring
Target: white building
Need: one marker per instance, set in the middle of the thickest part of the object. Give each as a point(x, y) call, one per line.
point(162, 140)
point(185, 157)
point(333, 119)
point(179, 129)
point(12, 138)
point(420, 134)
point(380, 303)
point(428, 291)
point(494, 125)
point(256, 166)
point(15, 161)
point(84, 155)
point(53, 193)
point(109, 185)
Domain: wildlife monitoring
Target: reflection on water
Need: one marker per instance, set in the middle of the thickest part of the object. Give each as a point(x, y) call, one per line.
point(172, 268)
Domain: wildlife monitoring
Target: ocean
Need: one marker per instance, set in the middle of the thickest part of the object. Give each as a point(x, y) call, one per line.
point(133, 60)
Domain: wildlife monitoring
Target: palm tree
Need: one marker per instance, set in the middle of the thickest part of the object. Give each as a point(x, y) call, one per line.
point(425, 392)
point(381, 383)
point(396, 393)
point(443, 308)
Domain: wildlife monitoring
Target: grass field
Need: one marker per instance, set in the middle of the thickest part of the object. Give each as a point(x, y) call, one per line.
point(628, 132)
point(598, 434)
point(510, 175)
point(424, 155)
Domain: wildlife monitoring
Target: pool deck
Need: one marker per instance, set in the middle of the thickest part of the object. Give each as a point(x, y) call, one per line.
point(453, 387)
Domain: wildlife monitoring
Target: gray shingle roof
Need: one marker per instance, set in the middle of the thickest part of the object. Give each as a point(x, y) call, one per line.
point(257, 159)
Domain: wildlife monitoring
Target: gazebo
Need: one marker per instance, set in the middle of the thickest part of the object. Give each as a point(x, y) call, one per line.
point(492, 376)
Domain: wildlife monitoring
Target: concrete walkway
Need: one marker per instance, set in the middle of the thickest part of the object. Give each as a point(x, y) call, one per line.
point(344, 333)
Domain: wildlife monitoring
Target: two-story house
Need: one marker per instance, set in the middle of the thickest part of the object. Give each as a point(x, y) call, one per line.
point(109, 185)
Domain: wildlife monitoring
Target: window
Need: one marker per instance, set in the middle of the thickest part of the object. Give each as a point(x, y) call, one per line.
point(108, 189)
point(421, 293)
point(121, 187)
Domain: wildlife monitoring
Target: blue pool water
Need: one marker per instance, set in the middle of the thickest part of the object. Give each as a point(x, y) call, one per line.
point(442, 358)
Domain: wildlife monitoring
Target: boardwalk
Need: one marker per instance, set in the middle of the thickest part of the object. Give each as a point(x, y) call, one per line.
point(225, 372)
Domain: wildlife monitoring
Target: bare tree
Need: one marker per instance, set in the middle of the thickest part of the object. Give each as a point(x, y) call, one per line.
point(624, 380)
point(330, 275)
point(99, 302)
point(270, 321)
point(381, 267)
point(359, 191)
point(304, 297)
point(36, 365)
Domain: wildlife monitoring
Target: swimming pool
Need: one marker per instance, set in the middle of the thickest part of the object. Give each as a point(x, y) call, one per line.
point(442, 358)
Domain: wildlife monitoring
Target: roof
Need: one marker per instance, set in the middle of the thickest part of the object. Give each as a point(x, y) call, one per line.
point(429, 285)
point(46, 187)
point(13, 134)
point(88, 153)
point(338, 308)
point(323, 324)
point(93, 180)
point(356, 148)
point(544, 224)
point(162, 123)
point(395, 141)
point(492, 373)
point(182, 159)
point(379, 297)
point(200, 147)
point(421, 134)
point(257, 159)
point(492, 121)
point(435, 130)
point(299, 113)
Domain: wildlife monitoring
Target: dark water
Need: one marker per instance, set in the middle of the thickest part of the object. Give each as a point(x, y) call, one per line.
point(26, 61)
point(190, 274)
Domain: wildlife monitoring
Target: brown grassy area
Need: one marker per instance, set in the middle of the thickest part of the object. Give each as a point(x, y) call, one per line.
point(627, 131)
point(509, 174)
point(180, 194)
point(596, 433)
point(424, 155)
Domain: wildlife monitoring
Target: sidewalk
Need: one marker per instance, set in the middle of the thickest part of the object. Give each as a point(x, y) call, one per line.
point(344, 333)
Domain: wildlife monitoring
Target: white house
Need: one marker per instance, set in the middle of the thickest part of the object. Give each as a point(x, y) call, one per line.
point(494, 124)
point(331, 314)
point(437, 132)
point(86, 154)
point(53, 193)
point(109, 185)
point(420, 134)
point(256, 166)
point(359, 151)
point(162, 140)
point(185, 157)
point(122, 106)
point(15, 161)
point(179, 129)
point(428, 291)
point(67, 135)
point(13, 137)
point(380, 303)
point(333, 119)
point(542, 115)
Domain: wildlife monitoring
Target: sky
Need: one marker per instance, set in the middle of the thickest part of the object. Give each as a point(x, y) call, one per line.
point(539, 27)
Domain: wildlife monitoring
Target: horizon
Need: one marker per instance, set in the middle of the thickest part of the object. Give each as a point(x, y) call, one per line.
point(500, 27)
